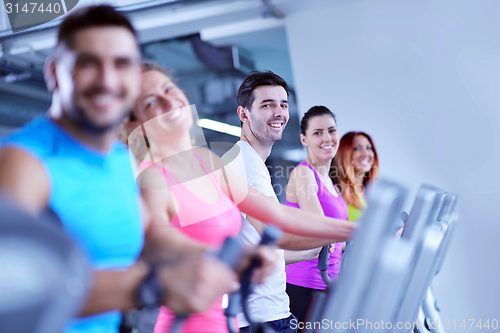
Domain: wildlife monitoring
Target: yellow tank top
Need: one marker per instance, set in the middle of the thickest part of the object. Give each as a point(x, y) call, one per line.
point(355, 213)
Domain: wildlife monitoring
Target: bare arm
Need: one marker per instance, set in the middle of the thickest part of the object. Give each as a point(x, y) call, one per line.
point(293, 242)
point(163, 242)
point(114, 290)
point(192, 279)
point(23, 179)
point(303, 189)
point(292, 257)
point(183, 271)
point(289, 219)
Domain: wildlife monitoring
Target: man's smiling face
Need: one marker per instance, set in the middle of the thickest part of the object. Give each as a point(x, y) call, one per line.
point(268, 115)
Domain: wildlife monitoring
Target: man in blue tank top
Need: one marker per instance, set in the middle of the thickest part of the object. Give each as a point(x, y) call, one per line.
point(71, 165)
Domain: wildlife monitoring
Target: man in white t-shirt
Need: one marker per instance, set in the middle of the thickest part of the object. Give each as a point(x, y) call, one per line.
point(263, 111)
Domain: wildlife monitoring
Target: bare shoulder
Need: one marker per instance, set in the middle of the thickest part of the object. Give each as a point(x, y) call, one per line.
point(302, 180)
point(24, 179)
point(302, 174)
point(208, 156)
point(15, 161)
point(203, 152)
point(151, 177)
point(154, 190)
point(213, 161)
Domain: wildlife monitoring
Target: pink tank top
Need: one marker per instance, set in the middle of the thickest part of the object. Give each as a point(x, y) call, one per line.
point(210, 224)
point(306, 273)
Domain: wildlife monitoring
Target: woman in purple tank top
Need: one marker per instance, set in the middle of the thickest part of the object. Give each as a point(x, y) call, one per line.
point(312, 187)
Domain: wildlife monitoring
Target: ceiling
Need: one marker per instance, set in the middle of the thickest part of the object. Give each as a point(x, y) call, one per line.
point(254, 26)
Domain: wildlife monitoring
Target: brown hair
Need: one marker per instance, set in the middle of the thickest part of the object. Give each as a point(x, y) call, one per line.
point(88, 17)
point(315, 111)
point(256, 79)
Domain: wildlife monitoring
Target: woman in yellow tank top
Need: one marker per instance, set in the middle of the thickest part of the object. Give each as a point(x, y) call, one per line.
point(358, 168)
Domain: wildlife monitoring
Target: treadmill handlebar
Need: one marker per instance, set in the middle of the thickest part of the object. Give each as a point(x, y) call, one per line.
point(270, 237)
point(229, 253)
point(324, 258)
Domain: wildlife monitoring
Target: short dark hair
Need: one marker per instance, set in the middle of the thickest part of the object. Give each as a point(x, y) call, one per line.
point(92, 16)
point(256, 79)
point(318, 110)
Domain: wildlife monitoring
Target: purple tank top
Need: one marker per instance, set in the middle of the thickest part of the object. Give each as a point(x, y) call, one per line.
point(306, 273)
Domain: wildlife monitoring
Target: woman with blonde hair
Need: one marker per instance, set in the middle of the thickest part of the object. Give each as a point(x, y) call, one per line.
point(358, 168)
point(191, 188)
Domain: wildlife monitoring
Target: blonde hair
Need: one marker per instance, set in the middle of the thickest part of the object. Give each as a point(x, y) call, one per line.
point(136, 141)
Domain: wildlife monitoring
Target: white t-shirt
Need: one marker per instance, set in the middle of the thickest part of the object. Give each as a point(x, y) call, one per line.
point(269, 301)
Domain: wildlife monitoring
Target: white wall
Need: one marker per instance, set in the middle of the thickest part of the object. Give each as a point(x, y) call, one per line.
point(423, 78)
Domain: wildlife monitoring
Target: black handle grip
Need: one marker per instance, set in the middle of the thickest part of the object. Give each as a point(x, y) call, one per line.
point(324, 263)
point(270, 237)
point(231, 311)
point(324, 258)
point(403, 216)
point(229, 253)
point(400, 221)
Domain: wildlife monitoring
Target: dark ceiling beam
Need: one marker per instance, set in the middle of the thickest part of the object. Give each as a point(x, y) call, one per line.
point(14, 68)
point(28, 92)
point(131, 9)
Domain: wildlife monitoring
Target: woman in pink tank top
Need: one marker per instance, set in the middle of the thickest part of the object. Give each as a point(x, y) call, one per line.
point(191, 188)
point(311, 188)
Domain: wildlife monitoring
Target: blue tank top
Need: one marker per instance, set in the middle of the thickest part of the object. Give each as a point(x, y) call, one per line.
point(96, 199)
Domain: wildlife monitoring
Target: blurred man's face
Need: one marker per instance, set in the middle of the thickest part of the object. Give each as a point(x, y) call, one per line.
point(99, 78)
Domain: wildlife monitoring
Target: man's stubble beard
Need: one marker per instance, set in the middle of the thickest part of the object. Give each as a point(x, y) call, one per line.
point(264, 129)
point(81, 120)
